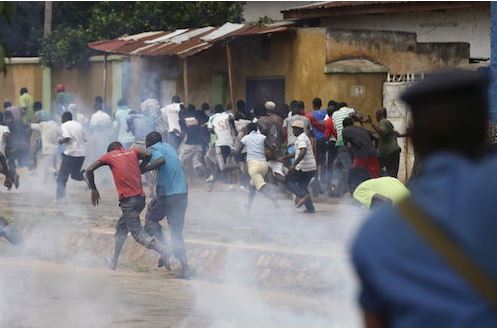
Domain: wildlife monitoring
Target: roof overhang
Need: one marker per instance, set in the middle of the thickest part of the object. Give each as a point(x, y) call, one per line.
point(349, 8)
point(183, 42)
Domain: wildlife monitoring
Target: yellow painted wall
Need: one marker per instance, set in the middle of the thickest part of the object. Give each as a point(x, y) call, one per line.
point(84, 84)
point(17, 76)
point(299, 57)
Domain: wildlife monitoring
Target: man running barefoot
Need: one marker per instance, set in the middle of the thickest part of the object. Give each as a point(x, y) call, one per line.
point(125, 167)
point(171, 198)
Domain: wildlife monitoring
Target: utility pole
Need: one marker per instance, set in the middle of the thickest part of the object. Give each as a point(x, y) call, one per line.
point(47, 72)
point(493, 62)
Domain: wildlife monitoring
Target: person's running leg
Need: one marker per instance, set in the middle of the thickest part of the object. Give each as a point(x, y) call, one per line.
point(76, 164)
point(306, 178)
point(156, 211)
point(121, 235)
point(176, 209)
point(131, 208)
point(63, 176)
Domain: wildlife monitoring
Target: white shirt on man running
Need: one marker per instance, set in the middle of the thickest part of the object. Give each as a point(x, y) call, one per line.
point(308, 163)
point(3, 131)
point(76, 146)
point(221, 125)
point(50, 132)
point(172, 116)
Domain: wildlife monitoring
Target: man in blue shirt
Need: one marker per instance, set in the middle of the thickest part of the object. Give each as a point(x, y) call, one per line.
point(171, 198)
point(405, 281)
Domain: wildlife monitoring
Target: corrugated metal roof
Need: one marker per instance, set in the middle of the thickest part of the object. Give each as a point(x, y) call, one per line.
point(182, 42)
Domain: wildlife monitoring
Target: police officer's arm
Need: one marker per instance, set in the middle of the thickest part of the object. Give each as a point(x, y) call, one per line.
point(95, 196)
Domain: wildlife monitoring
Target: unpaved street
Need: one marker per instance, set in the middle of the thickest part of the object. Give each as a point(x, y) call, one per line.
point(300, 263)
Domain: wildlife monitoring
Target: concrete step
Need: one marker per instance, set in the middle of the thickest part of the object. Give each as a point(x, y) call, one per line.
point(269, 266)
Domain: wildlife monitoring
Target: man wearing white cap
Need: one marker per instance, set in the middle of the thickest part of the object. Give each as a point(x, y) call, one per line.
point(303, 169)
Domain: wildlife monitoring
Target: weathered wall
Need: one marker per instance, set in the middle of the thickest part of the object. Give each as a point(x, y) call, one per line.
point(398, 51)
point(21, 73)
point(298, 57)
point(84, 84)
point(301, 58)
point(456, 25)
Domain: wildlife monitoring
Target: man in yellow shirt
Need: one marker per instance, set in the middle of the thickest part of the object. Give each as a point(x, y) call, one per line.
point(26, 102)
point(375, 191)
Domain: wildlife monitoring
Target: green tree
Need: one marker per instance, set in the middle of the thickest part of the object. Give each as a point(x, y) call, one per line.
point(77, 23)
point(5, 12)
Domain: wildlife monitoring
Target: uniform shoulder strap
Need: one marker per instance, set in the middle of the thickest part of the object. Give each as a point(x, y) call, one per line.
point(449, 250)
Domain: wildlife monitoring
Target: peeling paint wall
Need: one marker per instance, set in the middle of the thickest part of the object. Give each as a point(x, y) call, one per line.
point(398, 51)
point(456, 25)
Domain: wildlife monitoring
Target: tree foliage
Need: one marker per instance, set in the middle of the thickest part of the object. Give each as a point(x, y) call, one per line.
point(5, 13)
point(75, 24)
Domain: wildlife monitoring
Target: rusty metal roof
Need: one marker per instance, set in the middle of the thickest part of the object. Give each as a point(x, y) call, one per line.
point(182, 42)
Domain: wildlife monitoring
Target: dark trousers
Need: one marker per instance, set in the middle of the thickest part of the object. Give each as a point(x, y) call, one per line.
point(341, 167)
point(174, 208)
point(391, 163)
point(297, 181)
point(69, 166)
point(130, 221)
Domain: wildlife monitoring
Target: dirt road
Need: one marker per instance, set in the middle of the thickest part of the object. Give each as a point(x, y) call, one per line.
point(49, 287)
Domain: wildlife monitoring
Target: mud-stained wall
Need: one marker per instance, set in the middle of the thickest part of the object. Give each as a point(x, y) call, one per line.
point(299, 57)
point(398, 51)
point(21, 73)
point(83, 83)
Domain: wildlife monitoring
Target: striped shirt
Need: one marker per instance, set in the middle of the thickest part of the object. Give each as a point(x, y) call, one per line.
point(308, 163)
point(337, 118)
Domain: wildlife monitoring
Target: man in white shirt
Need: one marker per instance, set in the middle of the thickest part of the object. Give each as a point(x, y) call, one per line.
point(303, 168)
point(222, 124)
point(74, 139)
point(171, 113)
point(101, 131)
point(50, 132)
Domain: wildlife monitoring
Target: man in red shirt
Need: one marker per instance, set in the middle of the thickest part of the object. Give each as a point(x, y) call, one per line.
point(125, 167)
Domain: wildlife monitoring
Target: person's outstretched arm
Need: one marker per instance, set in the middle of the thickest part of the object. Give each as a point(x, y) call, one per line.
point(95, 196)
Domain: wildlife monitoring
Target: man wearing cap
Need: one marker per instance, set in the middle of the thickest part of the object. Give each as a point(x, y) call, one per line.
point(303, 168)
point(407, 278)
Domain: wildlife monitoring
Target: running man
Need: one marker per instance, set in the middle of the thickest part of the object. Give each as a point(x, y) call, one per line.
point(171, 198)
point(7, 231)
point(125, 167)
point(257, 165)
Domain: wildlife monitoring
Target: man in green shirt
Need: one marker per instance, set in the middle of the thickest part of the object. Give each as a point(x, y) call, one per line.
point(375, 191)
point(388, 148)
point(26, 103)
